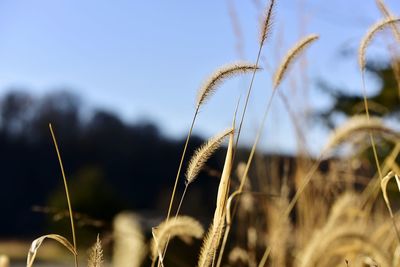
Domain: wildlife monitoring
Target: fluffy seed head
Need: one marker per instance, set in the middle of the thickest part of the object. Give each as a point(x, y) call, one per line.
point(291, 56)
point(221, 75)
point(370, 35)
point(357, 124)
point(267, 22)
point(202, 154)
point(181, 226)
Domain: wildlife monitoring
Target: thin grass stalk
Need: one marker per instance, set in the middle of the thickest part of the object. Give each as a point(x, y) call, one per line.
point(197, 162)
point(181, 162)
point(264, 34)
point(66, 193)
point(368, 118)
point(374, 149)
point(278, 77)
point(253, 149)
point(176, 215)
point(246, 102)
point(229, 217)
point(387, 14)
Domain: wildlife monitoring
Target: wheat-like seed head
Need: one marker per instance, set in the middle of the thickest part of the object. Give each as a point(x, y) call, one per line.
point(290, 56)
point(181, 226)
point(267, 23)
point(220, 75)
point(369, 36)
point(96, 254)
point(202, 154)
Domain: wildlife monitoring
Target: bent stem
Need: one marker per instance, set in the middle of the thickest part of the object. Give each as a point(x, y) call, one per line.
point(66, 193)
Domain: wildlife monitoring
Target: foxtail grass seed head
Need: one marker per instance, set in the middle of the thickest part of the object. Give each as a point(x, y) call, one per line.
point(354, 125)
point(202, 154)
point(182, 226)
point(370, 35)
point(267, 22)
point(291, 56)
point(219, 76)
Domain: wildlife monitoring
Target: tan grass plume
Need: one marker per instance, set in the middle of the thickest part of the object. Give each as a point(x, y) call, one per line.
point(357, 124)
point(180, 226)
point(220, 75)
point(369, 36)
point(202, 154)
point(291, 56)
point(267, 23)
point(96, 254)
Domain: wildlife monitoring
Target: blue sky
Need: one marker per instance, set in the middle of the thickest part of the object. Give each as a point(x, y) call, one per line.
point(147, 59)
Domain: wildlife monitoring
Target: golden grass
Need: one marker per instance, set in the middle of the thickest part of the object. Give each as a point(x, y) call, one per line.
point(291, 55)
point(202, 154)
point(181, 226)
point(370, 35)
point(297, 215)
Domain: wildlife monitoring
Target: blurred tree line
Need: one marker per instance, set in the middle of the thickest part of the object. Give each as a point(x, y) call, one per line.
point(384, 102)
point(111, 165)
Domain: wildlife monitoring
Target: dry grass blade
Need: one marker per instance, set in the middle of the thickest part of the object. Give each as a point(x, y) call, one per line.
point(221, 75)
point(210, 245)
point(96, 254)
point(38, 242)
point(384, 183)
point(181, 226)
point(267, 23)
point(290, 56)
point(215, 232)
point(224, 183)
point(202, 154)
point(66, 191)
point(369, 36)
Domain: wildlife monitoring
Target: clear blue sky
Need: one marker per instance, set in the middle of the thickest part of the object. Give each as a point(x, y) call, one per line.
point(147, 59)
